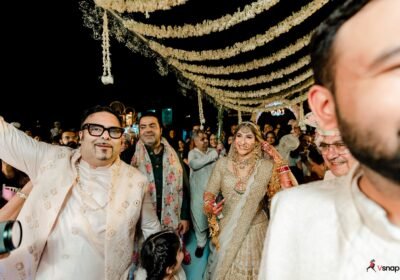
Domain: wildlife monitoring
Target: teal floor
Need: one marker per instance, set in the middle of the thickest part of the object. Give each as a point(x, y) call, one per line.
point(195, 270)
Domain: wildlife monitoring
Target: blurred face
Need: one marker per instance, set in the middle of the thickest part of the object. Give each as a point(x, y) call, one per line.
point(296, 131)
point(368, 86)
point(233, 129)
point(68, 137)
point(181, 144)
point(150, 131)
point(336, 155)
point(267, 128)
point(100, 150)
point(270, 138)
point(201, 142)
point(244, 141)
point(213, 141)
point(172, 134)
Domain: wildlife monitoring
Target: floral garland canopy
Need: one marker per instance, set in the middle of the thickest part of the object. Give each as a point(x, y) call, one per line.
point(250, 56)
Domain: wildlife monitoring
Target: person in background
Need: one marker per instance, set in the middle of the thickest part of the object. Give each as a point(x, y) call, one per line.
point(85, 204)
point(337, 226)
point(201, 161)
point(11, 182)
point(168, 182)
point(69, 138)
point(336, 154)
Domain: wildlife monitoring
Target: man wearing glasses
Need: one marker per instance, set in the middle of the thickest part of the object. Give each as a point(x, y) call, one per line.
point(80, 218)
point(337, 156)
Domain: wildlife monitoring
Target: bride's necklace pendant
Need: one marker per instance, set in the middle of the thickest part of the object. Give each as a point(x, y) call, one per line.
point(240, 187)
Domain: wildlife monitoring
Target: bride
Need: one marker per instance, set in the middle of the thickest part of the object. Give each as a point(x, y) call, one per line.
point(242, 178)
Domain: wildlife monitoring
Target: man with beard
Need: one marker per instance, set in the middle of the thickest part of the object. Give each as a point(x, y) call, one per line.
point(332, 229)
point(168, 182)
point(69, 138)
point(81, 216)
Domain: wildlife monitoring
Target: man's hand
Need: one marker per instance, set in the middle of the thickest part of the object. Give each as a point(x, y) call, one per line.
point(183, 227)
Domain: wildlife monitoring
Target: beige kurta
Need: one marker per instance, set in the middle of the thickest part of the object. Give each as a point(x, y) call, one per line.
point(329, 230)
point(53, 173)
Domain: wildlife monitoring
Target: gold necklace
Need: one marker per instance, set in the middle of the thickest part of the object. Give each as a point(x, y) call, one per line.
point(242, 164)
point(240, 186)
point(86, 197)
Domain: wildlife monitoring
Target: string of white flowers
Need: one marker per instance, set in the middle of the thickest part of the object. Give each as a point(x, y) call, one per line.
point(301, 118)
point(239, 68)
point(261, 102)
point(244, 46)
point(203, 28)
point(301, 63)
point(282, 95)
point(239, 116)
point(304, 77)
point(107, 77)
point(220, 119)
point(142, 6)
point(201, 113)
point(262, 108)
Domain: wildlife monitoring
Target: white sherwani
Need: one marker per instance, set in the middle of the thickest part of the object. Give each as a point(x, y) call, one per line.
point(50, 213)
point(329, 230)
point(201, 165)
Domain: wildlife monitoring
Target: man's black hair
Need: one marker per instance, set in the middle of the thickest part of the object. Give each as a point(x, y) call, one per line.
point(97, 109)
point(322, 42)
point(151, 114)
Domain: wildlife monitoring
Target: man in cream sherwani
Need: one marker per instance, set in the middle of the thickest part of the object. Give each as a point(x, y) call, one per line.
point(201, 161)
point(80, 218)
point(335, 229)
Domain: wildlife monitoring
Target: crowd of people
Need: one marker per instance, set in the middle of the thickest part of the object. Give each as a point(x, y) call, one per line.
point(101, 202)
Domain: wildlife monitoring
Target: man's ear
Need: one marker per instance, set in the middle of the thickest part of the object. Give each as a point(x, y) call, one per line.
point(322, 104)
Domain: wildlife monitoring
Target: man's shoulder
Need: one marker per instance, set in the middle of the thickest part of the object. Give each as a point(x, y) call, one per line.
point(316, 194)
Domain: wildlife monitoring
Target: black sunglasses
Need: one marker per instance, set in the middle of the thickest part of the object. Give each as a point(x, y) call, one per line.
point(98, 130)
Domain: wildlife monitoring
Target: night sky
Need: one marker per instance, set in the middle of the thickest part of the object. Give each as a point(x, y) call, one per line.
point(72, 66)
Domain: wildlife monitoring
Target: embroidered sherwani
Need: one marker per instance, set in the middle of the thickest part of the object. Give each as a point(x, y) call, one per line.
point(52, 170)
point(329, 230)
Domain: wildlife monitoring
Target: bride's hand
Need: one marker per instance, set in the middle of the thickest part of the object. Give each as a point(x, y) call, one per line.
point(271, 151)
point(217, 208)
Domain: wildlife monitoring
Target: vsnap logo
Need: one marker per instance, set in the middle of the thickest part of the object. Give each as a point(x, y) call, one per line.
point(386, 268)
point(371, 265)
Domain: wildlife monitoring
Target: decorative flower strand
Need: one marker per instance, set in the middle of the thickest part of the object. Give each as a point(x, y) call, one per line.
point(244, 46)
point(143, 6)
point(201, 113)
point(200, 29)
point(301, 63)
point(107, 77)
point(240, 68)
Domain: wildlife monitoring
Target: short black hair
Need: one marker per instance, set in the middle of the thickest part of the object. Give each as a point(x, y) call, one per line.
point(159, 252)
point(322, 42)
point(97, 109)
point(151, 114)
